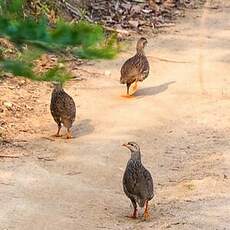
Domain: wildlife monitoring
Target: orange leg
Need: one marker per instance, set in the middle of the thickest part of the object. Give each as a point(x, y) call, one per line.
point(134, 215)
point(127, 93)
point(134, 88)
point(69, 136)
point(126, 96)
point(146, 212)
point(58, 132)
point(128, 85)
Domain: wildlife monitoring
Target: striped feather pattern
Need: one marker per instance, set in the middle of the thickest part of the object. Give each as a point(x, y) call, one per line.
point(135, 68)
point(137, 180)
point(62, 107)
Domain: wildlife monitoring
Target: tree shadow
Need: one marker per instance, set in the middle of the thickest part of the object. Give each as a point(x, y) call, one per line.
point(84, 127)
point(150, 91)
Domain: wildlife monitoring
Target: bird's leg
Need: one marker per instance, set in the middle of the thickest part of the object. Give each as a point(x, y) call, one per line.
point(146, 212)
point(127, 94)
point(134, 88)
point(134, 215)
point(69, 136)
point(58, 132)
point(128, 85)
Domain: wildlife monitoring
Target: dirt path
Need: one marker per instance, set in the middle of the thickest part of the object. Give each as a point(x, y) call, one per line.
point(180, 118)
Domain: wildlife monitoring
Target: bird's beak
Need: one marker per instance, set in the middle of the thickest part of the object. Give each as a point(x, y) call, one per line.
point(126, 145)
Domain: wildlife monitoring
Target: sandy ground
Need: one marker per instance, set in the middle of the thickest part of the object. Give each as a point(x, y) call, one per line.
point(180, 118)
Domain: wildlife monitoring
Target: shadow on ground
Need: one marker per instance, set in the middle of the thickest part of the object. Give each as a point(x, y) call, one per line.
point(84, 127)
point(150, 91)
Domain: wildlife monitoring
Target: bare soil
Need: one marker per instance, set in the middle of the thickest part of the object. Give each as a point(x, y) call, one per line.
point(179, 116)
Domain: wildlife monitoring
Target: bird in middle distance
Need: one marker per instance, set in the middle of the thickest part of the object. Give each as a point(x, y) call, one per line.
point(135, 68)
point(63, 109)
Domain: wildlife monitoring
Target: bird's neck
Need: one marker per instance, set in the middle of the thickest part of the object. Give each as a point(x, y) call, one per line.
point(136, 156)
point(58, 87)
point(140, 51)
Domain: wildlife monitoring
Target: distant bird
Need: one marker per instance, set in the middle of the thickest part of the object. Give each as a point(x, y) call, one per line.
point(63, 109)
point(136, 68)
point(137, 181)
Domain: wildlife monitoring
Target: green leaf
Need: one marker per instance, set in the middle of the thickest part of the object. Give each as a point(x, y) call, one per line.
point(56, 74)
point(87, 40)
point(17, 68)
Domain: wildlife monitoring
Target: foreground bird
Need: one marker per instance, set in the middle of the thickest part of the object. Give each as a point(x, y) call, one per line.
point(137, 181)
point(63, 109)
point(136, 68)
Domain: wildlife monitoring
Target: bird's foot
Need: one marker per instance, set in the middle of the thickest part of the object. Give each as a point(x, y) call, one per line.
point(127, 96)
point(146, 215)
point(56, 135)
point(69, 136)
point(133, 88)
point(132, 216)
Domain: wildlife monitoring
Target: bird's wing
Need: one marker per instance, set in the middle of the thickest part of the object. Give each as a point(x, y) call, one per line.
point(144, 68)
point(69, 104)
point(134, 68)
point(68, 108)
point(130, 179)
point(147, 184)
point(129, 70)
point(54, 109)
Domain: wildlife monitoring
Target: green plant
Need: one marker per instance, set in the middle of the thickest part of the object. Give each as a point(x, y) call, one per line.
point(86, 40)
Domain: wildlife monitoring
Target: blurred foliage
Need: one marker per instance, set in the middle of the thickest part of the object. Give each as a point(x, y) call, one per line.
point(56, 74)
point(12, 8)
point(29, 54)
point(21, 68)
point(85, 40)
point(103, 51)
point(16, 67)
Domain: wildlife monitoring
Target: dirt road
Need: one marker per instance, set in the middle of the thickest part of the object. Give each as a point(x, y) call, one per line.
point(180, 118)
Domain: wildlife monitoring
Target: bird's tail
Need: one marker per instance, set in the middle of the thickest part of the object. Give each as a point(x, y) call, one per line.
point(141, 202)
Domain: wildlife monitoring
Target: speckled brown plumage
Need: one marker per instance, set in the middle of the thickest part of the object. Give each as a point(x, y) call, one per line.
point(137, 181)
point(62, 108)
point(136, 68)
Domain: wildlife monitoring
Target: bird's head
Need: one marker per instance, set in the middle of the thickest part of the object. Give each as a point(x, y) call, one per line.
point(57, 85)
point(135, 150)
point(141, 43)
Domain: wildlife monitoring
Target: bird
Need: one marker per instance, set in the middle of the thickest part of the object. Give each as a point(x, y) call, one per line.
point(62, 108)
point(137, 181)
point(135, 68)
